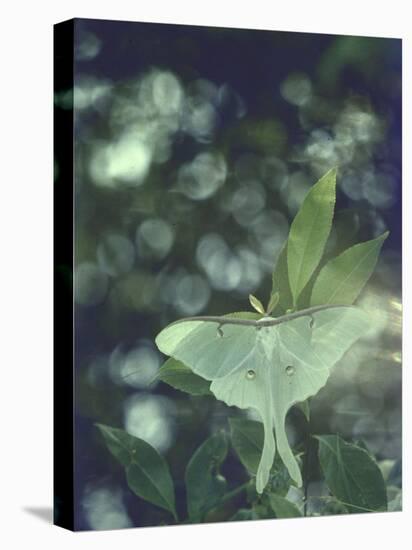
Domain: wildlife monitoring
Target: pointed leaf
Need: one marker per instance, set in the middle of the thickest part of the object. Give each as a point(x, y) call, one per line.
point(341, 280)
point(147, 471)
point(345, 228)
point(176, 374)
point(256, 304)
point(283, 508)
point(247, 440)
point(204, 484)
point(280, 282)
point(309, 232)
point(273, 302)
point(244, 514)
point(263, 511)
point(352, 475)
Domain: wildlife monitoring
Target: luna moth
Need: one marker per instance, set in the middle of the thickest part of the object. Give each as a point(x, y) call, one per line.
point(267, 364)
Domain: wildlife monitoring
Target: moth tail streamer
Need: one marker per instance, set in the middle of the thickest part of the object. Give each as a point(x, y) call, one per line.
point(267, 458)
point(285, 452)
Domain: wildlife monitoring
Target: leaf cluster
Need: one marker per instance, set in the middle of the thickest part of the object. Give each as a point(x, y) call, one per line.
point(354, 479)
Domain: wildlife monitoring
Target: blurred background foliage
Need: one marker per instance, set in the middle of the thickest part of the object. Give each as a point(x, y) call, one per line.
point(194, 148)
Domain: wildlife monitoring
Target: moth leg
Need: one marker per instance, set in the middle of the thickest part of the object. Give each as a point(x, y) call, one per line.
point(220, 331)
point(312, 321)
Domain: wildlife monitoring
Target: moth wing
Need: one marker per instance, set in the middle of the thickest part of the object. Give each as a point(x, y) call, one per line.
point(250, 387)
point(292, 362)
point(210, 351)
point(335, 330)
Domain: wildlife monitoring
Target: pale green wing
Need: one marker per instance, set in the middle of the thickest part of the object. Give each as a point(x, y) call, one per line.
point(336, 330)
point(266, 368)
point(253, 385)
point(284, 369)
point(292, 361)
point(210, 351)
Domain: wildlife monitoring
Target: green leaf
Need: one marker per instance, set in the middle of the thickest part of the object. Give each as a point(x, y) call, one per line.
point(256, 304)
point(346, 225)
point(147, 472)
point(280, 282)
point(309, 232)
point(262, 511)
point(385, 467)
point(247, 440)
point(179, 376)
point(244, 514)
point(341, 279)
point(283, 508)
point(204, 484)
point(273, 302)
point(325, 506)
point(352, 475)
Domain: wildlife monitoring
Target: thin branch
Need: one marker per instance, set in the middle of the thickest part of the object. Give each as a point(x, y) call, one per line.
point(264, 322)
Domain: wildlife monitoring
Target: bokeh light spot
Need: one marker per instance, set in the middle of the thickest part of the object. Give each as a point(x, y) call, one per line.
point(137, 367)
point(90, 284)
point(151, 418)
point(192, 294)
point(115, 254)
point(296, 89)
point(104, 509)
point(126, 161)
point(222, 267)
point(87, 46)
point(201, 178)
point(154, 238)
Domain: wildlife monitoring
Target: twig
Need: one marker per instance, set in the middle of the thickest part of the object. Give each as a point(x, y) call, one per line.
point(264, 322)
